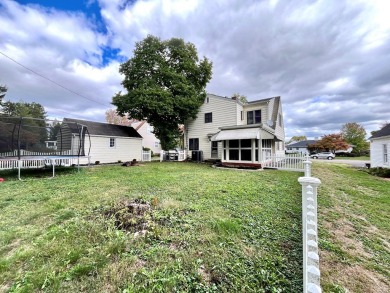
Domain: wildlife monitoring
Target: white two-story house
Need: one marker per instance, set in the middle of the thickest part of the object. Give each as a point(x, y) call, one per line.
point(239, 134)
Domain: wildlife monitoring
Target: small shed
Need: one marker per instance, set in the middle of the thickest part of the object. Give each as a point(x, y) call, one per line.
point(108, 143)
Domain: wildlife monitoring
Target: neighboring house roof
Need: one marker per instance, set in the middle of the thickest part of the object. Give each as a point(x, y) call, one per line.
point(385, 131)
point(99, 128)
point(301, 144)
point(138, 124)
point(260, 101)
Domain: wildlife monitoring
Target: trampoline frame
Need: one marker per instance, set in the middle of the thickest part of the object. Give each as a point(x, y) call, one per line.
point(44, 157)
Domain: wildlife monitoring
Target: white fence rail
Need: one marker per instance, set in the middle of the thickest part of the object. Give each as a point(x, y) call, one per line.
point(173, 156)
point(29, 153)
point(32, 164)
point(146, 156)
point(291, 162)
point(311, 267)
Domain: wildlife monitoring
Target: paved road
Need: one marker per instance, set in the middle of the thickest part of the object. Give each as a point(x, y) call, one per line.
point(355, 163)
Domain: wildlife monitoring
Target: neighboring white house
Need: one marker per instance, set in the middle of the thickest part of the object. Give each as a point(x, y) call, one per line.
point(108, 143)
point(380, 147)
point(149, 139)
point(239, 134)
point(299, 147)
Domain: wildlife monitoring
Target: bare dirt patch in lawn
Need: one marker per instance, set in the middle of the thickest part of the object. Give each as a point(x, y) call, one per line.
point(346, 235)
point(131, 215)
point(354, 278)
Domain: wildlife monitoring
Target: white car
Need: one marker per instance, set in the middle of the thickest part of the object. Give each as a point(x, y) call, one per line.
point(323, 155)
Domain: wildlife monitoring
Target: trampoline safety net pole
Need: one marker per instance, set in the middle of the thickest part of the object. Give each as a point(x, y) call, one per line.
point(53, 163)
point(19, 167)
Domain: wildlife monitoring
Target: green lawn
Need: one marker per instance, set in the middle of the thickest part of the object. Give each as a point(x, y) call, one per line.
point(354, 229)
point(209, 230)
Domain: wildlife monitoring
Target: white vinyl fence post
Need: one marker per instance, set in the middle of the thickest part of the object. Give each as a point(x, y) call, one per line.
point(161, 156)
point(311, 269)
point(307, 167)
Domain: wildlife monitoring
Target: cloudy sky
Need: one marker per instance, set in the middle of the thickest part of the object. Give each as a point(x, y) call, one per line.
point(328, 60)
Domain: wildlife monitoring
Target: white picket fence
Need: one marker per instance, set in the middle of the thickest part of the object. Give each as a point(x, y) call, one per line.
point(146, 156)
point(311, 266)
point(292, 162)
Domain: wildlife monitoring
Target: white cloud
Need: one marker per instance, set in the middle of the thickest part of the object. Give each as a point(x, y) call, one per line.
point(329, 60)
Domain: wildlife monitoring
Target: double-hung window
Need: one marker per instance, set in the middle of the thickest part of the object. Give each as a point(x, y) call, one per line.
point(385, 154)
point(208, 117)
point(253, 117)
point(193, 144)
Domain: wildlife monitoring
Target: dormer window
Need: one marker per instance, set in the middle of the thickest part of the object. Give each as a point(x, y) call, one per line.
point(254, 117)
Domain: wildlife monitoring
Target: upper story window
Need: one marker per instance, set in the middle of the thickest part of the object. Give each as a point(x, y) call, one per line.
point(254, 117)
point(207, 100)
point(208, 117)
point(112, 142)
point(242, 115)
point(280, 120)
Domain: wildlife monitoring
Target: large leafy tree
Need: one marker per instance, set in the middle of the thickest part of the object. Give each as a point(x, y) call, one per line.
point(165, 83)
point(355, 134)
point(243, 99)
point(330, 142)
point(113, 117)
point(3, 90)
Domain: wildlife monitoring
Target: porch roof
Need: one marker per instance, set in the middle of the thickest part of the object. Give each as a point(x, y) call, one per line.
point(242, 133)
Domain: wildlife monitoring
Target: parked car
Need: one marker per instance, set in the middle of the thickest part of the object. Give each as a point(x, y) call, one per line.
point(324, 155)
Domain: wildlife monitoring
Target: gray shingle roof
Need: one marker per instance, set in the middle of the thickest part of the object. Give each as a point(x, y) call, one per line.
point(98, 128)
point(385, 131)
point(301, 144)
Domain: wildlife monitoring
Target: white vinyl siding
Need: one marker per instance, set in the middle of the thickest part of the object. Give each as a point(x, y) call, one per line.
point(377, 152)
point(279, 125)
point(126, 149)
point(240, 115)
point(224, 114)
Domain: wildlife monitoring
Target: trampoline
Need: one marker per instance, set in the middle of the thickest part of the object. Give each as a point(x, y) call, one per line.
point(27, 142)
